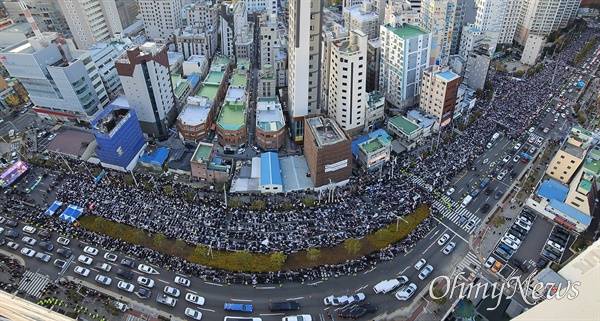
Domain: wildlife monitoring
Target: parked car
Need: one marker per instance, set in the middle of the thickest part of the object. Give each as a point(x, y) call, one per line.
point(193, 314)
point(90, 250)
point(425, 272)
point(126, 286)
point(81, 271)
point(174, 292)
point(284, 306)
point(420, 264)
point(147, 282)
point(407, 292)
point(166, 300)
point(194, 298)
point(103, 279)
point(182, 281)
point(43, 257)
point(386, 286)
point(63, 241)
point(449, 248)
point(443, 239)
point(333, 300)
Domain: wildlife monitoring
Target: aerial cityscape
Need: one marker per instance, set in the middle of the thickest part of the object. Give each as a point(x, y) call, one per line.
point(299, 160)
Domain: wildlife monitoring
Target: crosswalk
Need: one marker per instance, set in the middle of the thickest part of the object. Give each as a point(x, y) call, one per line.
point(450, 209)
point(469, 264)
point(33, 283)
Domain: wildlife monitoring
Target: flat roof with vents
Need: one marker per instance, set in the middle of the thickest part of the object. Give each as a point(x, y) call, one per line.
point(325, 131)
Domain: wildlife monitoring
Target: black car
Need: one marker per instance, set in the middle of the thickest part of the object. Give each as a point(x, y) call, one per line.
point(11, 223)
point(128, 263)
point(47, 246)
point(528, 215)
point(553, 250)
point(550, 255)
point(2, 241)
point(560, 237)
point(44, 234)
point(64, 252)
point(143, 293)
point(488, 191)
point(498, 195)
point(485, 208)
point(517, 233)
point(357, 311)
point(126, 274)
point(59, 263)
point(284, 306)
point(557, 240)
point(520, 229)
point(541, 263)
point(13, 234)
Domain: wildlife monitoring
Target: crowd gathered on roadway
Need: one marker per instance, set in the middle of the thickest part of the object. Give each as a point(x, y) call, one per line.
point(368, 203)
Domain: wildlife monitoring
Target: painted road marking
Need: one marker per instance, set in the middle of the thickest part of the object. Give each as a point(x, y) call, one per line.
point(369, 271)
point(210, 283)
point(315, 283)
point(362, 287)
point(163, 281)
point(205, 309)
point(404, 270)
point(265, 287)
point(293, 299)
point(270, 314)
point(241, 300)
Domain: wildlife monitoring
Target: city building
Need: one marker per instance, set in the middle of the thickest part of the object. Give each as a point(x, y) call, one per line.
point(270, 173)
point(411, 129)
point(532, 49)
point(362, 17)
point(304, 81)
point(195, 64)
point(231, 123)
point(60, 85)
point(375, 151)
point(375, 111)
point(237, 33)
point(404, 56)
point(327, 151)
point(438, 93)
point(478, 64)
point(347, 82)
point(270, 124)
point(193, 123)
point(104, 55)
point(490, 20)
point(438, 16)
point(161, 17)
point(398, 13)
point(119, 137)
point(206, 166)
point(510, 20)
point(373, 64)
point(471, 37)
point(267, 83)
point(46, 13)
point(146, 79)
point(200, 34)
point(569, 158)
point(262, 6)
point(269, 41)
point(332, 32)
point(542, 17)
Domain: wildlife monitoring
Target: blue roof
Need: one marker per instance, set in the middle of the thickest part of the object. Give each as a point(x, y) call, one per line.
point(447, 75)
point(157, 158)
point(554, 190)
point(270, 171)
point(194, 80)
point(572, 212)
point(71, 213)
point(53, 208)
point(381, 133)
point(357, 141)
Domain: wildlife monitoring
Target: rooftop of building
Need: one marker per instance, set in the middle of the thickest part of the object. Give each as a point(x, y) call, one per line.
point(214, 77)
point(180, 85)
point(325, 131)
point(232, 116)
point(196, 59)
point(202, 153)
point(269, 115)
point(71, 141)
point(180, 159)
point(447, 75)
point(209, 91)
point(109, 118)
point(219, 63)
point(421, 119)
point(238, 80)
point(358, 12)
point(404, 124)
point(592, 162)
point(573, 150)
point(406, 31)
point(375, 96)
point(553, 189)
point(372, 145)
point(236, 95)
point(243, 64)
point(195, 112)
point(270, 169)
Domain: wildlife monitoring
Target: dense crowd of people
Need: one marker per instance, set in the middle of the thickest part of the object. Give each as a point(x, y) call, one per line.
point(367, 203)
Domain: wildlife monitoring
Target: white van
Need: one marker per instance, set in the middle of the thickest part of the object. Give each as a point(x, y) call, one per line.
point(386, 286)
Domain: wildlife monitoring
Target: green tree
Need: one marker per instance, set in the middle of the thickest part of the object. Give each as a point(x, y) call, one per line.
point(137, 236)
point(258, 205)
point(168, 190)
point(159, 240)
point(242, 261)
point(309, 201)
point(352, 246)
point(313, 254)
point(200, 250)
point(277, 259)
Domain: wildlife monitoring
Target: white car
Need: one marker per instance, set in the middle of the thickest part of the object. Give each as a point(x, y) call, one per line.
point(516, 158)
point(43, 257)
point(105, 267)
point(407, 292)
point(29, 229)
point(90, 250)
point(506, 159)
point(490, 261)
point(85, 259)
point(63, 240)
point(532, 129)
point(147, 269)
point(508, 242)
point(174, 292)
point(425, 272)
point(358, 297)
point(103, 279)
point(524, 220)
point(125, 286)
point(523, 225)
point(27, 252)
point(81, 271)
point(302, 317)
point(332, 300)
point(449, 248)
point(517, 146)
point(420, 264)
point(110, 257)
point(501, 176)
point(442, 240)
point(450, 191)
point(551, 243)
point(513, 238)
point(147, 282)
point(182, 281)
point(194, 298)
point(29, 240)
point(386, 286)
point(194, 314)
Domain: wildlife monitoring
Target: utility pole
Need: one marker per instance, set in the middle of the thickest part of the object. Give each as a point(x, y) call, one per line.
point(225, 194)
point(134, 180)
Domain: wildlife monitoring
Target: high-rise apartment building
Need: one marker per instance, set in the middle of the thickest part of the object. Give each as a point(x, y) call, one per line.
point(438, 16)
point(363, 17)
point(200, 35)
point(304, 79)
point(91, 21)
point(269, 41)
point(60, 85)
point(404, 56)
point(542, 17)
point(510, 20)
point(104, 55)
point(237, 34)
point(332, 32)
point(146, 79)
point(46, 13)
point(347, 96)
point(400, 12)
point(161, 17)
point(438, 93)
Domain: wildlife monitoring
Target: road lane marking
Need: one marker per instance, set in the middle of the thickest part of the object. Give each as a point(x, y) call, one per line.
point(404, 270)
point(371, 270)
point(209, 283)
point(459, 236)
point(361, 288)
point(315, 283)
point(205, 309)
point(189, 290)
point(163, 281)
point(270, 314)
point(293, 299)
point(265, 287)
point(241, 300)
point(407, 253)
point(430, 245)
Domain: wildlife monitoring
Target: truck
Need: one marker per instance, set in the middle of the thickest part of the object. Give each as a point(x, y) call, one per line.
point(493, 140)
point(466, 200)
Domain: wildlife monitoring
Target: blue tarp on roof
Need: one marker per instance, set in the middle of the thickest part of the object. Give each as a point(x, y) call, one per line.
point(270, 170)
point(194, 80)
point(572, 212)
point(53, 208)
point(553, 189)
point(71, 214)
point(156, 158)
point(357, 141)
point(381, 133)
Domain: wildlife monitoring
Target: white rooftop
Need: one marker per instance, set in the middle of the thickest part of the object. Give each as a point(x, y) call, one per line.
point(269, 115)
point(195, 111)
point(235, 94)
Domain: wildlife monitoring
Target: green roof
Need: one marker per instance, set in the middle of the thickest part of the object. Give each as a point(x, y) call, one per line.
point(219, 62)
point(214, 77)
point(208, 90)
point(406, 31)
point(238, 79)
point(405, 125)
point(592, 166)
point(585, 185)
point(243, 63)
point(202, 153)
point(180, 85)
point(232, 116)
point(371, 145)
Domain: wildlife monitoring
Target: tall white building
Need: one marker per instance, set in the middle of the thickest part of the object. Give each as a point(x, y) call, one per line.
point(303, 63)
point(237, 34)
point(59, 85)
point(510, 21)
point(46, 13)
point(404, 56)
point(363, 17)
point(146, 79)
point(438, 16)
point(542, 17)
point(490, 20)
point(201, 32)
point(347, 82)
point(332, 33)
point(262, 6)
point(161, 17)
point(269, 41)
point(399, 12)
point(104, 56)
point(91, 21)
